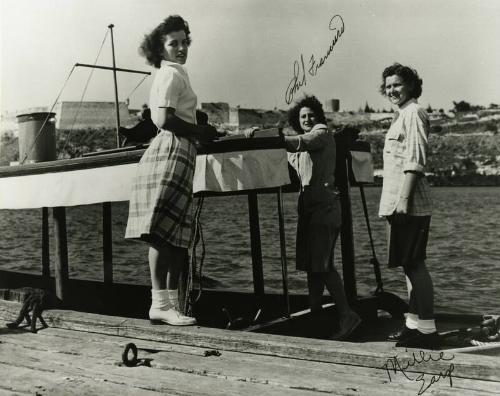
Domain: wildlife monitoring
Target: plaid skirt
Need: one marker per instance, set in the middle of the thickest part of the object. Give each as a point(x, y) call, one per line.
point(160, 208)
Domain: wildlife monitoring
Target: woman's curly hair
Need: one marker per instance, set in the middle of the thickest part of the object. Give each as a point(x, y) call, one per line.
point(409, 76)
point(152, 45)
point(307, 101)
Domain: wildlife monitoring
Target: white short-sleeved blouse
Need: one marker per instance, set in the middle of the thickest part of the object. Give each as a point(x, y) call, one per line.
point(171, 88)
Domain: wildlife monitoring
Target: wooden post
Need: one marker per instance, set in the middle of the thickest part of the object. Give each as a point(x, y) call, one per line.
point(45, 246)
point(257, 270)
point(284, 269)
point(343, 143)
point(107, 242)
point(61, 247)
point(347, 239)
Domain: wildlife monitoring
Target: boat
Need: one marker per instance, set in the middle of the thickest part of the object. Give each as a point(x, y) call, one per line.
point(255, 326)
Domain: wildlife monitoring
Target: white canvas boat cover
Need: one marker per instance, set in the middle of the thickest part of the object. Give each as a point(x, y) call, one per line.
point(221, 172)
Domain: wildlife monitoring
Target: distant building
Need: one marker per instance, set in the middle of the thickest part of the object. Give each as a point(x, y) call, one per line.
point(244, 118)
point(218, 113)
point(94, 115)
point(332, 105)
point(222, 113)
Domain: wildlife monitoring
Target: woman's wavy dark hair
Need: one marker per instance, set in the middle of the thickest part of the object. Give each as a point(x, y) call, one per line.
point(308, 101)
point(152, 45)
point(409, 76)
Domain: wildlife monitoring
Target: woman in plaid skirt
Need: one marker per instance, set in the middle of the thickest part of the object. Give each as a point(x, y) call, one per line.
point(160, 205)
point(406, 202)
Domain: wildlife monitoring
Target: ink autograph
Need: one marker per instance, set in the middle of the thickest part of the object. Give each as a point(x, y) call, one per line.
point(394, 364)
point(299, 78)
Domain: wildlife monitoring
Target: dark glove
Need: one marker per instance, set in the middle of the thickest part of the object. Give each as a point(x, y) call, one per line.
point(208, 133)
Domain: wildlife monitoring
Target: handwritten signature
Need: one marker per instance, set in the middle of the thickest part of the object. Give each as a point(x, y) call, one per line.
point(299, 68)
point(394, 365)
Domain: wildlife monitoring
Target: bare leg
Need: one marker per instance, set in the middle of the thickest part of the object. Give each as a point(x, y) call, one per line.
point(422, 293)
point(158, 267)
point(165, 264)
point(177, 261)
point(336, 288)
point(316, 286)
point(349, 320)
point(412, 300)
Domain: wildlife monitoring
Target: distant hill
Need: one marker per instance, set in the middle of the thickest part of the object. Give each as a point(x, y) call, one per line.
point(464, 149)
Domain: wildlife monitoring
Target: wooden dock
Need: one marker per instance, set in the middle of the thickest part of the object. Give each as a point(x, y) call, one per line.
point(81, 354)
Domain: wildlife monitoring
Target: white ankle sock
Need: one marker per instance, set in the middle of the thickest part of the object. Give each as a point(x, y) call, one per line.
point(412, 321)
point(426, 326)
point(173, 297)
point(159, 299)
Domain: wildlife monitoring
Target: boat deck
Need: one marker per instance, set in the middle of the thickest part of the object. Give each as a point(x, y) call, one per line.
point(81, 353)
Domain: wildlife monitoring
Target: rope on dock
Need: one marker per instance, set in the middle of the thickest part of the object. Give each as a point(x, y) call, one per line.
point(196, 238)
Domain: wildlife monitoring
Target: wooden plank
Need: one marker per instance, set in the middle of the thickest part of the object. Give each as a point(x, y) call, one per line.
point(65, 165)
point(132, 156)
point(373, 355)
point(78, 350)
point(57, 372)
point(61, 247)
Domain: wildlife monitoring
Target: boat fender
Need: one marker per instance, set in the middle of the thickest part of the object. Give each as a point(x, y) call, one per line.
point(125, 359)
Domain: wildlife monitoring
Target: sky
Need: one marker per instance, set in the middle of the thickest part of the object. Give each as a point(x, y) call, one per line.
point(243, 51)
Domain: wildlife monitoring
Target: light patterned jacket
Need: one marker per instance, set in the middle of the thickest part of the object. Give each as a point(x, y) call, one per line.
point(405, 149)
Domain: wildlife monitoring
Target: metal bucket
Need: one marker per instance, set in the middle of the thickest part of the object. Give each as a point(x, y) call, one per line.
point(37, 137)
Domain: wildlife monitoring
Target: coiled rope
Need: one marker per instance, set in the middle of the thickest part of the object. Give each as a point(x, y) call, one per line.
point(197, 236)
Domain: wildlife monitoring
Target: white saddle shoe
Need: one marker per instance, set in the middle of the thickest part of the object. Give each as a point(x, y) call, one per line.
point(170, 316)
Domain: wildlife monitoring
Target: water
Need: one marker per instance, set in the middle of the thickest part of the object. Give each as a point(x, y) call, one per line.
point(463, 252)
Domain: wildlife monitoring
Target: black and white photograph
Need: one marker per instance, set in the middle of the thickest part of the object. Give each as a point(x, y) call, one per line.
point(249, 197)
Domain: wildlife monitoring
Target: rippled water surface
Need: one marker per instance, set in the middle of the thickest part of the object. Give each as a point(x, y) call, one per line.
point(463, 252)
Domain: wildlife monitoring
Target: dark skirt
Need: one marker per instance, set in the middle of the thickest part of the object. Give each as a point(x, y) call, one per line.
point(319, 220)
point(407, 243)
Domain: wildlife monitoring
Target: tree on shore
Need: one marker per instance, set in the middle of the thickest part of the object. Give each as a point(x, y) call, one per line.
point(463, 107)
point(368, 109)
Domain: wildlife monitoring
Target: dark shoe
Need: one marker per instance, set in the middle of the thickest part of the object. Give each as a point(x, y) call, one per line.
point(421, 340)
point(348, 325)
point(402, 334)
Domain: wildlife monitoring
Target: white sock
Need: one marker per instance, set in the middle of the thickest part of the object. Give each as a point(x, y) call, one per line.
point(426, 326)
point(173, 297)
point(159, 299)
point(412, 321)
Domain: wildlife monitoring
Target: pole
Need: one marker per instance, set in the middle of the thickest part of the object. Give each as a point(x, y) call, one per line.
point(343, 143)
point(284, 270)
point(257, 269)
point(117, 105)
point(61, 248)
point(45, 247)
point(107, 243)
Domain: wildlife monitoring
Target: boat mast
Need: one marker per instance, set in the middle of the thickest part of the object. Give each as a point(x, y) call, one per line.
point(117, 105)
point(114, 69)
